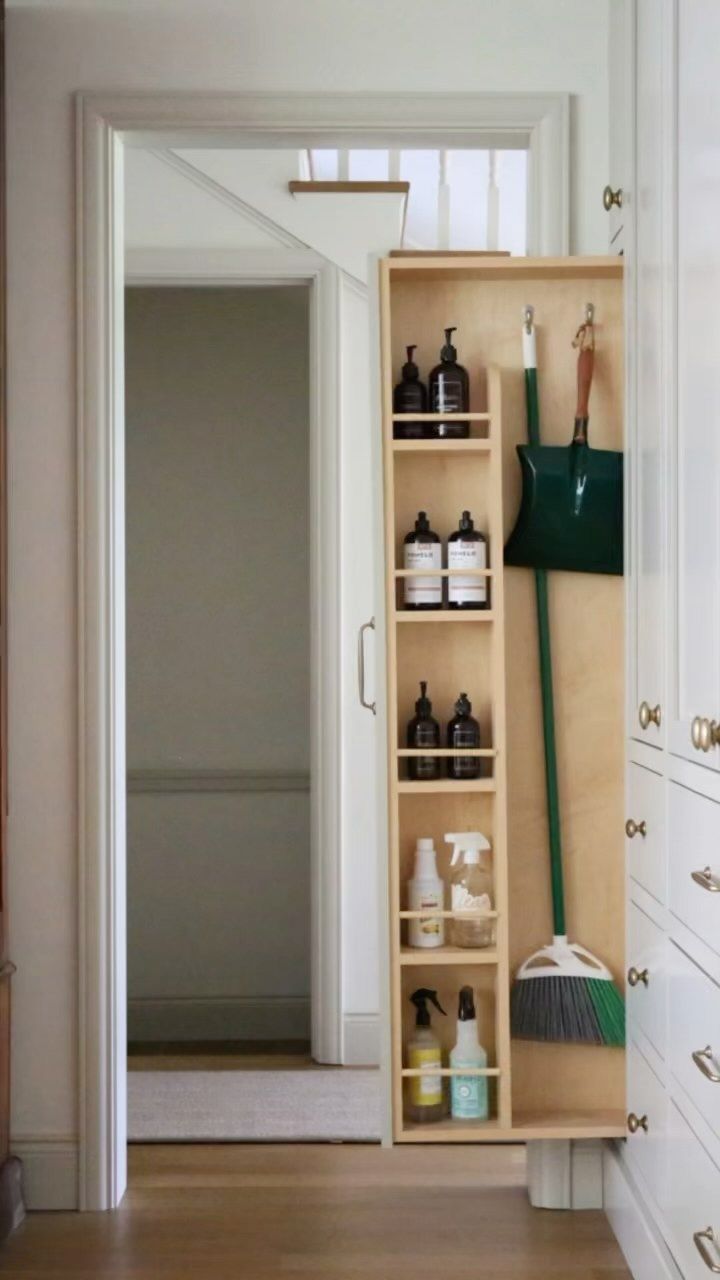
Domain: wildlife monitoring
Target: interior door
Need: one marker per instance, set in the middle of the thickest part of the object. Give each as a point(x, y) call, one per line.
point(695, 683)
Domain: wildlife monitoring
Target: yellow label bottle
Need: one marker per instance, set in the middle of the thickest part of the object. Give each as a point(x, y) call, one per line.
point(425, 1100)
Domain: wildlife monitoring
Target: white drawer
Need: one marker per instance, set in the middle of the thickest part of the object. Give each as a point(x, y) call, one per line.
point(647, 1100)
point(694, 845)
point(693, 1198)
point(647, 970)
point(645, 854)
point(694, 1026)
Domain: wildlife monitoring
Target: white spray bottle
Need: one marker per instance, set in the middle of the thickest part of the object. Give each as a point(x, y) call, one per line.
point(471, 889)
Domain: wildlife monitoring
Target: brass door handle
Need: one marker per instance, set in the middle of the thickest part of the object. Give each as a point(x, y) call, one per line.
point(702, 1059)
point(638, 975)
point(648, 715)
point(611, 198)
point(702, 1239)
point(704, 733)
point(633, 828)
point(706, 880)
point(637, 1122)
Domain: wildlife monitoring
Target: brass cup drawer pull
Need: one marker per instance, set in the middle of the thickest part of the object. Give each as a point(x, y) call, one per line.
point(611, 198)
point(637, 1122)
point(648, 715)
point(704, 733)
point(703, 1058)
point(633, 828)
point(638, 975)
point(706, 880)
point(704, 1239)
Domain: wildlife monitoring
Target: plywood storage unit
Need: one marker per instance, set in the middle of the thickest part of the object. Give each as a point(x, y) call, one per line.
point(536, 1090)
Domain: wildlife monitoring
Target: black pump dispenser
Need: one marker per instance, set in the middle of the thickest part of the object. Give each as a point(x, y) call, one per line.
point(466, 1005)
point(422, 550)
point(449, 351)
point(423, 731)
point(410, 396)
point(420, 998)
point(467, 549)
point(450, 391)
point(463, 731)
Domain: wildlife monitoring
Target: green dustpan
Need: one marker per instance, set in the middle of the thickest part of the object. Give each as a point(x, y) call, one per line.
point(571, 511)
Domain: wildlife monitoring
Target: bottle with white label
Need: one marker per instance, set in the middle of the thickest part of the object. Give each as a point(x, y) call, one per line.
point(468, 1094)
point(426, 892)
point(422, 549)
point(471, 890)
point(467, 549)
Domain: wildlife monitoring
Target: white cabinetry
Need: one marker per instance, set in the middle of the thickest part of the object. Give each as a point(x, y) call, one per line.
point(672, 1155)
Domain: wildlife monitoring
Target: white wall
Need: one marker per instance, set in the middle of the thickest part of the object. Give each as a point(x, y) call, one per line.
point(52, 51)
point(217, 480)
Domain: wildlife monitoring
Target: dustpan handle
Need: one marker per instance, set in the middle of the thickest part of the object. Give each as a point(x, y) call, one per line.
point(586, 361)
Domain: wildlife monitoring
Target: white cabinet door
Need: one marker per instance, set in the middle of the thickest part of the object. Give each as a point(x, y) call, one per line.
point(695, 682)
point(648, 554)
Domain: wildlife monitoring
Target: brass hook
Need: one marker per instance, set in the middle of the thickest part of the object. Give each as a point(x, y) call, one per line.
point(528, 314)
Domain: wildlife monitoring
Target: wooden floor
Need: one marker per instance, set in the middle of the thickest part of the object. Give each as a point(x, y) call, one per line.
point(329, 1212)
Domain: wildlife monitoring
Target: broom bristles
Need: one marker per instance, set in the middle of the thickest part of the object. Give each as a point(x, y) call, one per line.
point(568, 1010)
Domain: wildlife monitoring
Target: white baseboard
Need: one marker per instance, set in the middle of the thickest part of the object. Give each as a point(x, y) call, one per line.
point(645, 1251)
point(221, 1018)
point(50, 1171)
point(361, 1039)
point(565, 1174)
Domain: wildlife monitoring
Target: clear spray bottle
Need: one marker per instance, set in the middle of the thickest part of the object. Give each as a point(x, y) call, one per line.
point(471, 889)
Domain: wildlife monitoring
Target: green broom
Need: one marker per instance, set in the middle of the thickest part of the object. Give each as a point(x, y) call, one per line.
point(562, 992)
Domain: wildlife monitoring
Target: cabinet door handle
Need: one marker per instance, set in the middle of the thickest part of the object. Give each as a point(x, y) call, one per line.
point(702, 1059)
point(704, 733)
point(633, 828)
point(648, 715)
point(638, 975)
point(637, 1122)
point(366, 626)
point(702, 1240)
point(706, 880)
point(611, 198)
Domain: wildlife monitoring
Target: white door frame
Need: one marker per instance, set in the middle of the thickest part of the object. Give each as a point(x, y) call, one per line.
point(105, 125)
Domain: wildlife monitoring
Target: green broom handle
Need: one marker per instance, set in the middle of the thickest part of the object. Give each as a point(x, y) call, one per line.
point(546, 689)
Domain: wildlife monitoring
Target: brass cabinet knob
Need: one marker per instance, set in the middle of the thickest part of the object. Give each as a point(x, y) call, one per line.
point(638, 975)
point(705, 734)
point(611, 198)
point(704, 1242)
point(704, 1061)
point(706, 880)
point(637, 1122)
point(633, 828)
point(648, 715)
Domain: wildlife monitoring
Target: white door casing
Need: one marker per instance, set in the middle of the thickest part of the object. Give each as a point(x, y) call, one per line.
point(105, 124)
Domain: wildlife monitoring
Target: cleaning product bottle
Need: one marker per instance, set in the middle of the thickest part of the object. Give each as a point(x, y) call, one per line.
point(422, 549)
point(423, 731)
point(450, 392)
point(423, 1050)
point(426, 892)
point(410, 396)
point(463, 731)
point(468, 1094)
point(471, 889)
point(467, 549)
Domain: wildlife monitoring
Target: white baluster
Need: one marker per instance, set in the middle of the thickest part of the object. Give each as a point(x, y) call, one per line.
point(493, 203)
point(443, 215)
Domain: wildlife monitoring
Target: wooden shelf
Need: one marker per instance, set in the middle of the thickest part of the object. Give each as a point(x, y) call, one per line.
point(442, 446)
point(444, 615)
point(525, 1126)
point(447, 786)
point(542, 1090)
point(485, 1073)
point(446, 753)
point(448, 955)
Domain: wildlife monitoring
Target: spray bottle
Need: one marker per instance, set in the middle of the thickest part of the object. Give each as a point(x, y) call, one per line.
point(423, 1051)
point(468, 1094)
point(471, 889)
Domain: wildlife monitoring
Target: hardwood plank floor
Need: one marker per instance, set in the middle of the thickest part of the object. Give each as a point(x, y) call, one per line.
point(271, 1212)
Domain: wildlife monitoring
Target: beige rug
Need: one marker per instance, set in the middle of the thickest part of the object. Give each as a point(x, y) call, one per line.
point(322, 1105)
